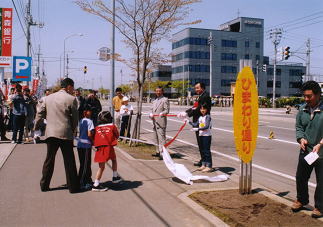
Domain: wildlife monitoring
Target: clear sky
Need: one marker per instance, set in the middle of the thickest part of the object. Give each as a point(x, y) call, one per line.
point(63, 18)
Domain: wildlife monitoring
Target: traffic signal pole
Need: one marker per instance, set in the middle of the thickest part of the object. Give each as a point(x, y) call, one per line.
point(308, 59)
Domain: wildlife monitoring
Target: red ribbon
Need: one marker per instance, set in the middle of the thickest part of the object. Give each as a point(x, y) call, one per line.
point(179, 131)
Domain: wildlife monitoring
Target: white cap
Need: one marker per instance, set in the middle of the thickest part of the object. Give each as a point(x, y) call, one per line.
point(125, 99)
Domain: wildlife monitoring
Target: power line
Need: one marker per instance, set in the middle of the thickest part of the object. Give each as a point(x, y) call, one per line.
point(22, 27)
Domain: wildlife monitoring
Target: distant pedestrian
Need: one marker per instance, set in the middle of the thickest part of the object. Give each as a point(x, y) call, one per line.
point(2, 118)
point(309, 134)
point(117, 103)
point(126, 111)
point(203, 98)
point(9, 101)
point(42, 122)
point(204, 126)
point(19, 112)
point(31, 106)
point(161, 108)
point(60, 111)
point(84, 148)
point(80, 101)
point(93, 103)
point(105, 138)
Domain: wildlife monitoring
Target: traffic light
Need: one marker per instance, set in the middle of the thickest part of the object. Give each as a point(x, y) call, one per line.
point(264, 68)
point(85, 70)
point(286, 53)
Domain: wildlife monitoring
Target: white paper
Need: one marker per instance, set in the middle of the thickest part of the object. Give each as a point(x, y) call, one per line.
point(311, 157)
point(182, 173)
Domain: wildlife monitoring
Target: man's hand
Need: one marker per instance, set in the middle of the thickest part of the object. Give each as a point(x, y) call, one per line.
point(182, 115)
point(317, 147)
point(151, 116)
point(161, 115)
point(303, 143)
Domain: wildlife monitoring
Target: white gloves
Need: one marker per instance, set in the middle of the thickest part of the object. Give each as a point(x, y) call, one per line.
point(195, 129)
point(161, 114)
point(182, 115)
point(151, 116)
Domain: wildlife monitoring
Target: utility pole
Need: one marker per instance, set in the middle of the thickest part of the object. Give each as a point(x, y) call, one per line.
point(276, 36)
point(211, 61)
point(308, 59)
point(67, 61)
point(29, 23)
point(38, 63)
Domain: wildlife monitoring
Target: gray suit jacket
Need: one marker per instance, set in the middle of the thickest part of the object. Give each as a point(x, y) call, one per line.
point(60, 111)
point(160, 105)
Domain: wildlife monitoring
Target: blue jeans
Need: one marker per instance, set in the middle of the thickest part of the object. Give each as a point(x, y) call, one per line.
point(205, 142)
point(18, 125)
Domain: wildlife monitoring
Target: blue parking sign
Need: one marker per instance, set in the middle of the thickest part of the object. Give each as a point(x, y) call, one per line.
point(21, 68)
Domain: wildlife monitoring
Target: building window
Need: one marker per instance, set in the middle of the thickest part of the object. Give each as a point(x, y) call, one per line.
point(196, 68)
point(229, 56)
point(229, 43)
point(247, 43)
point(270, 71)
point(226, 83)
point(257, 44)
point(178, 69)
point(295, 72)
point(190, 41)
point(198, 80)
point(295, 84)
point(228, 69)
point(257, 58)
point(246, 56)
point(270, 84)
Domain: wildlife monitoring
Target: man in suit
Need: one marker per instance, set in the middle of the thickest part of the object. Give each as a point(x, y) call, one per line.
point(195, 110)
point(60, 111)
point(161, 108)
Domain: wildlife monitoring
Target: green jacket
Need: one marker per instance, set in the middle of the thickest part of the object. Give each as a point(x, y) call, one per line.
point(310, 127)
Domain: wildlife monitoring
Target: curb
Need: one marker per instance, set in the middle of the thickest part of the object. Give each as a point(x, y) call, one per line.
point(4, 155)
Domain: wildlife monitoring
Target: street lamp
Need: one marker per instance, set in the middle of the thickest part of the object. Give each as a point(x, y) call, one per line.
point(60, 63)
point(78, 34)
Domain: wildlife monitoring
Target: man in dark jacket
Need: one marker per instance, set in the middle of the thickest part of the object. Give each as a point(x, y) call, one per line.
point(19, 115)
point(195, 110)
point(80, 101)
point(309, 134)
point(93, 103)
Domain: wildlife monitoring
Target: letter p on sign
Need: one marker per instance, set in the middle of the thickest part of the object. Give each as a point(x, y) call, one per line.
point(21, 68)
point(21, 64)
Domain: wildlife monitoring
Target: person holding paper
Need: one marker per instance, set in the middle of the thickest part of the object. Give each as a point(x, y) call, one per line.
point(309, 134)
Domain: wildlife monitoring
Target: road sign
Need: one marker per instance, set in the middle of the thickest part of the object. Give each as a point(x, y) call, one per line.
point(21, 68)
point(104, 54)
point(5, 36)
point(245, 114)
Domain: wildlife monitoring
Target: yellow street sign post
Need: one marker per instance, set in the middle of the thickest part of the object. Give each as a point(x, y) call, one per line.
point(245, 123)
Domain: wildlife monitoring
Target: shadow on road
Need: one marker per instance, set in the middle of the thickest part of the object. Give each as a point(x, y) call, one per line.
point(123, 185)
point(226, 170)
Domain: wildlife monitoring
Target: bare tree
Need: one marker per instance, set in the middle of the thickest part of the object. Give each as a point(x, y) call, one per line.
point(143, 23)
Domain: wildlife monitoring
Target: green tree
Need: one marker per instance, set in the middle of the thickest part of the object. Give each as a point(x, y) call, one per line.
point(180, 86)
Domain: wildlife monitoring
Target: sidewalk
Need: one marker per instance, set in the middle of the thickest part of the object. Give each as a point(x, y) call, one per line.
point(148, 196)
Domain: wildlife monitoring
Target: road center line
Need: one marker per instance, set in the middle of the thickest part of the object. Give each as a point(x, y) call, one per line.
point(238, 160)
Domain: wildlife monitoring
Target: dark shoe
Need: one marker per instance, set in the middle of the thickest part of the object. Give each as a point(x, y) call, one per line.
point(5, 139)
point(156, 155)
point(99, 188)
point(44, 189)
point(197, 163)
point(297, 206)
point(317, 214)
point(160, 157)
point(116, 179)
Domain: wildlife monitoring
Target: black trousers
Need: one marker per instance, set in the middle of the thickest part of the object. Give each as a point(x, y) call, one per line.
point(124, 126)
point(66, 147)
point(18, 126)
point(2, 127)
point(199, 144)
point(85, 172)
point(303, 174)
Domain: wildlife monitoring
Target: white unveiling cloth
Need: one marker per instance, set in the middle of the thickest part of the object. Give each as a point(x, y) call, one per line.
point(182, 173)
